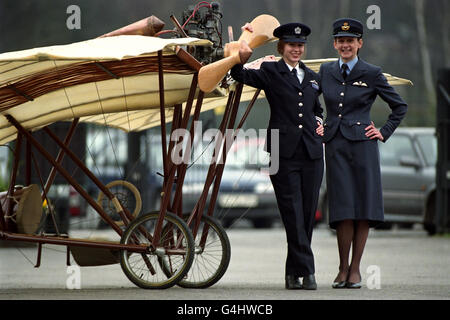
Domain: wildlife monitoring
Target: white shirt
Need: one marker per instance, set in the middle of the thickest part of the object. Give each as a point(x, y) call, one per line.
point(300, 72)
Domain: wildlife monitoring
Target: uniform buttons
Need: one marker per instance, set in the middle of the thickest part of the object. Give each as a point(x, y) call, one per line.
point(358, 123)
point(300, 126)
point(340, 105)
point(343, 83)
point(340, 115)
point(300, 115)
point(300, 94)
point(300, 104)
point(342, 94)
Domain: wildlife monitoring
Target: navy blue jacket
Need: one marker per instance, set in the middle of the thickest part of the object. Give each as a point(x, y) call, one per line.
point(293, 107)
point(349, 102)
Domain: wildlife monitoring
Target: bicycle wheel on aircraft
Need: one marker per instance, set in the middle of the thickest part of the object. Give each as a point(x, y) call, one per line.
point(128, 196)
point(176, 247)
point(211, 255)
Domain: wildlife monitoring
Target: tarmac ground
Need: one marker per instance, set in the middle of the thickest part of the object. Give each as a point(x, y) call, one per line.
point(397, 265)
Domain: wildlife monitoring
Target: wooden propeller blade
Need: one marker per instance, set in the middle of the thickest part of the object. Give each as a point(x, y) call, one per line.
point(145, 27)
point(210, 75)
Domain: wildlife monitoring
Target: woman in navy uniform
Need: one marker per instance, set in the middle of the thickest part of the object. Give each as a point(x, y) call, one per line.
point(292, 92)
point(350, 86)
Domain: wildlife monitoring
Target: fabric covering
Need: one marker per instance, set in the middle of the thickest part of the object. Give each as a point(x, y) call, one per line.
point(111, 81)
point(116, 76)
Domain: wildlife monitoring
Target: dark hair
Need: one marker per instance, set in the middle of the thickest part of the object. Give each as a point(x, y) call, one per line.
point(280, 46)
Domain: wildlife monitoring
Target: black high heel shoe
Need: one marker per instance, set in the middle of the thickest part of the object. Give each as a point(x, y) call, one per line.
point(354, 285)
point(339, 285)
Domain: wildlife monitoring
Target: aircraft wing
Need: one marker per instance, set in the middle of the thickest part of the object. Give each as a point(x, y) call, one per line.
point(115, 76)
point(111, 81)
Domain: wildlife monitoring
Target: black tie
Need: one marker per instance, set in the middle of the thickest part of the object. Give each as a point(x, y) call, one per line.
point(344, 71)
point(294, 73)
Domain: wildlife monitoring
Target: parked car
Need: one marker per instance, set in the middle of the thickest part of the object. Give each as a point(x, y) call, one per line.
point(246, 191)
point(408, 174)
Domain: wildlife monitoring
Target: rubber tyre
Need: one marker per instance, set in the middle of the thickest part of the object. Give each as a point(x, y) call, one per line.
point(129, 260)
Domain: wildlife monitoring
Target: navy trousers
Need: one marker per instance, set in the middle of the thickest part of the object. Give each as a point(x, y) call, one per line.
point(297, 185)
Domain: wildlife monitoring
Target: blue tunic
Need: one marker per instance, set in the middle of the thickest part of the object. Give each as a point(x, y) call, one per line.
point(352, 159)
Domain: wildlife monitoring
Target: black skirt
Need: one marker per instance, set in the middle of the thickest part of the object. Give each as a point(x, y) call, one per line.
point(353, 181)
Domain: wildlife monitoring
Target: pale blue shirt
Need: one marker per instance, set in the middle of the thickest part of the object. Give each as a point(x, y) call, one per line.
point(350, 64)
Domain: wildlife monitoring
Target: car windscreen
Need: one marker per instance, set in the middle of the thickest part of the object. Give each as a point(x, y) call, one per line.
point(248, 153)
point(428, 145)
point(399, 145)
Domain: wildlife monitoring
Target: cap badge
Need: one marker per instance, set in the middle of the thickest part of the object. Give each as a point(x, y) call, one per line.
point(298, 30)
point(345, 27)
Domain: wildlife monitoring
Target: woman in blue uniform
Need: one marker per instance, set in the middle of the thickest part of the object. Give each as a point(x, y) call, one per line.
point(292, 92)
point(350, 86)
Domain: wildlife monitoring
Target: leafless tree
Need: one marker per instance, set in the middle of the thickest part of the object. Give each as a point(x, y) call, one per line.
point(296, 10)
point(344, 8)
point(424, 52)
point(445, 32)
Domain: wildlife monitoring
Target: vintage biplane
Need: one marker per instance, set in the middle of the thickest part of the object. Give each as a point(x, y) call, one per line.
point(132, 80)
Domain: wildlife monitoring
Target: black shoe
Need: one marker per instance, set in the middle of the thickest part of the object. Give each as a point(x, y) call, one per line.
point(354, 285)
point(292, 283)
point(309, 282)
point(339, 285)
point(351, 285)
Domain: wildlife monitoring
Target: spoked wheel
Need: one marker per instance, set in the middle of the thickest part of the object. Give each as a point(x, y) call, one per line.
point(211, 255)
point(128, 196)
point(176, 250)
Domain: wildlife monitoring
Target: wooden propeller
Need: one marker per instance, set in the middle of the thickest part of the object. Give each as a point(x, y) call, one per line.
point(145, 27)
point(210, 75)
